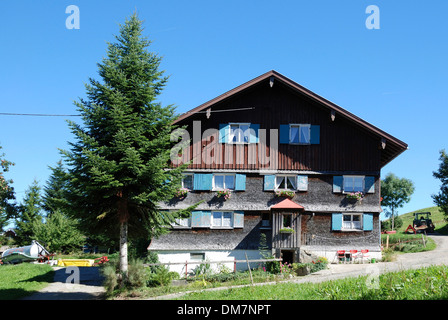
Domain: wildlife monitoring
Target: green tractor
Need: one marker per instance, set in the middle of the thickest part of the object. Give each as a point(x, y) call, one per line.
point(422, 222)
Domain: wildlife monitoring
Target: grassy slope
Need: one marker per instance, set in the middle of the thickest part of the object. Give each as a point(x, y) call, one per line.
point(436, 216)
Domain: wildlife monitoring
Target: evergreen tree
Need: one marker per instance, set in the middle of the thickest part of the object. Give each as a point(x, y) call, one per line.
point(441, 199)
point(29, 211)
point(118, 165)
point(59, 233)
point(54, 197)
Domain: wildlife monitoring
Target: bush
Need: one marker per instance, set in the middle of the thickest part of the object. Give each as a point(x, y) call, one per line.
point(162, 276)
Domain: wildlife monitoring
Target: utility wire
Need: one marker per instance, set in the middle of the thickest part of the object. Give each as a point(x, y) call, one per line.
point(38, 114)
point(78, 115)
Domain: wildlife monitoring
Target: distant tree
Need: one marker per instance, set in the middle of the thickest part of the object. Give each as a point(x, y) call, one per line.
point(29, 211)
point(119, 164)
point(58, 233)
point(441, 199)
point(395, 193)
point(54, 197)
point(7, 207)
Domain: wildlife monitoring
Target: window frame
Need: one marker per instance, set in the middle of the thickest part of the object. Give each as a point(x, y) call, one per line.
point(214, 188)
point(244, 133)
point(299, 126)
point(221, 226)
point(286, 176)
point(346, 177)
point(352, 226)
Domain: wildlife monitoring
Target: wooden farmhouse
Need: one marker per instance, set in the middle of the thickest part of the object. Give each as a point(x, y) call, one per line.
point(271, 157)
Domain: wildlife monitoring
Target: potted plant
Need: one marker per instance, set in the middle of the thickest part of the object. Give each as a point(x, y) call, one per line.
point(287, 230)
point(355, 196)
point(224, 194)
point(285, 193)
point(181, 193)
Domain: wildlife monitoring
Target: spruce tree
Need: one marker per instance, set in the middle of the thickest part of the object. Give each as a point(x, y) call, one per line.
point(119, 164)
point(29, 211)
point(55, 190)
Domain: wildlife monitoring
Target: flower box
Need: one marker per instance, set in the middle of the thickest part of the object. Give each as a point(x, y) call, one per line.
point(286, 230)
point(355, 196)
point(285, 193)
point(224, 194)
point(181, 193)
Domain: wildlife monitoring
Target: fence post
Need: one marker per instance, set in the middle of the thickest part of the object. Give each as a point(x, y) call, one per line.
point(234, 264)
point(186, 265)
point(250, 271)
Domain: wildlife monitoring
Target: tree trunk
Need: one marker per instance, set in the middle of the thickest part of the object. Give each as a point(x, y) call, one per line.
point(393, 219)
point(124, 248)
point(123, 215)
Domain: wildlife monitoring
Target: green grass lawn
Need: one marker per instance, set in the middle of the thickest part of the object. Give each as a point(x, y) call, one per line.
point(421, 284)
point(18, 281)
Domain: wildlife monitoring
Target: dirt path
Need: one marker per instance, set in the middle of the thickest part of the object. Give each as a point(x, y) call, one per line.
point(73, 283)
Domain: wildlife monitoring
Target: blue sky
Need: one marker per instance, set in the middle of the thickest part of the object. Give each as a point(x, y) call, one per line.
point(394, 77)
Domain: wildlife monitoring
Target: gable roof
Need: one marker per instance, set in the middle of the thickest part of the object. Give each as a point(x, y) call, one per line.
point(394, 146)
point(287, 204)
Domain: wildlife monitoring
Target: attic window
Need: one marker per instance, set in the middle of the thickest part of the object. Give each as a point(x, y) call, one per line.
point(299, 134)
point(239, 132)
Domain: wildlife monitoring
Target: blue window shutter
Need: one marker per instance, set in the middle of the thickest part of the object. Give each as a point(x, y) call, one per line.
point(201, 219)
point(337, 184)
point(367, 221)
point(369, 184)
point(284, 133)
point(336, 221)
point(269, 182)
point(315, 134)
point(224, 130)
point(240, 182)
point(302, 183)
point(254, 133)
point(238, 219)
point(202, 181)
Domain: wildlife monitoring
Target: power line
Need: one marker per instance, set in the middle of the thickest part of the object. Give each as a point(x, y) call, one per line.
point(38, 114)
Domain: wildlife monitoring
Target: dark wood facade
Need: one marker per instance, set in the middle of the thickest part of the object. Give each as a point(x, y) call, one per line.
point(346, 144)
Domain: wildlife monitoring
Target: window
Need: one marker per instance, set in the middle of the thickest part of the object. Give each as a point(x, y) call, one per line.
point(222, 219)
point(287, 221)
point(353, 183)
point(239, 133)
point(300, 134)
point(187, 181)
point(199, 256)
point(351, 222)
point(223, 181)
point(182, 223)
point(286, 183)
point(265, 220)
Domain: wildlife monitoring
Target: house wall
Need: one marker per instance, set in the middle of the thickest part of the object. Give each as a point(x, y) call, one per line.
point(344, 146)
point(188, 265)
point(318, 198)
